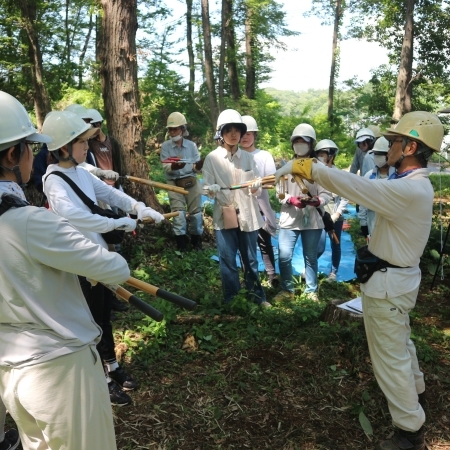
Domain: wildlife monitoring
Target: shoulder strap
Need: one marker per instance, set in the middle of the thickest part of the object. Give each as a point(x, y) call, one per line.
point(11, 201)
point(85, 199)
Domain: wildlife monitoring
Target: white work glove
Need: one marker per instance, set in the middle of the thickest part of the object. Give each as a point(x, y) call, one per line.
point(125, 223)
point(213, 189)
point(335, 216)
point(256, 184)
point(282, 171)
point(108, 174)
point(145, 212)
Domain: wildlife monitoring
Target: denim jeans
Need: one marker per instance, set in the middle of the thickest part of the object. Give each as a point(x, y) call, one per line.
point(335, 248)
point(228, 244)
point(286, 243)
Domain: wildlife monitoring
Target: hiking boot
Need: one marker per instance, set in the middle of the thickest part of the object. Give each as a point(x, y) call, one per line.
point(404, 440)
point(265, 304)
point(11, 441)
point(331, 278)
point(196, 242)
point(283, 296)
point(123, 379)
point(117, 305)
point(117, 396)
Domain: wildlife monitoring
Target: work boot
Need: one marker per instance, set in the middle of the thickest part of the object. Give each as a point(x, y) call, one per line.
point(181, 242)
point(404, 440)
point(11, 440)
point(196, 242)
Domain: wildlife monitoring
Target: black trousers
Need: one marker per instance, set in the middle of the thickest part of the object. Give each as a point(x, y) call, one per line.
point(266, 247)
point(99, 301)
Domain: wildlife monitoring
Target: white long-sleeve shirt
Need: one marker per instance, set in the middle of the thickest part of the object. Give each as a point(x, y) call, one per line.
point(64, 202)
point(403, 210)
point(226, 170)
point(266, 166)
point(43, 313)
point(308, 218)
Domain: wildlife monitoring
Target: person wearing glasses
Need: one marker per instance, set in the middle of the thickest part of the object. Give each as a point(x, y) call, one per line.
point(403, 207)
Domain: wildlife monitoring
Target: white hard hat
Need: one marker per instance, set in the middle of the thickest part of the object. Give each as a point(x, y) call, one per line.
point(95, 115)
point(304, 130)
point(250, 122)
point(381, 145)
point(229, 117)
point(64, 126)
point(327, 145)
point(15, 123)
point(363, 134)
point(79, 110)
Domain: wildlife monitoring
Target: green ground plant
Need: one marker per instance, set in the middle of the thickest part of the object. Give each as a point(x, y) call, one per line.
point(237, 376)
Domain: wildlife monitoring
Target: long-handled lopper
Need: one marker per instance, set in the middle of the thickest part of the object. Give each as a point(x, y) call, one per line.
point(167, 187)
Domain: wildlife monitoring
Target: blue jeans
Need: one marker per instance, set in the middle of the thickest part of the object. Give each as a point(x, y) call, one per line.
point(286, 243)
point(228, 244)
point(335, 248)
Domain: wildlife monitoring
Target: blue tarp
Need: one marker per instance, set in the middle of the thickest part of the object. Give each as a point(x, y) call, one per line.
point(345, 272)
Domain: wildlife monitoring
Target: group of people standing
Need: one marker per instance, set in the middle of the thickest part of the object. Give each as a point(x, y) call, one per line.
point(243, 218)
point(55, 332)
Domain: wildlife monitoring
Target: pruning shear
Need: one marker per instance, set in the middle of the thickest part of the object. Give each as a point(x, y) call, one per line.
point(177, 160)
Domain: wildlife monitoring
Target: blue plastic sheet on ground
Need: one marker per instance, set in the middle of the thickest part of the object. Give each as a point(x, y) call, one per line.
point(345, 272)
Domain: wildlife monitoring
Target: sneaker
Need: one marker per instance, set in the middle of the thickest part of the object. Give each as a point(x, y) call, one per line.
point(11, 441)
point(312, 296)
point(117, 396)
point(283, 296)
point(404, 440)
point(331, 278)
point(265, 304)
point(123, 379)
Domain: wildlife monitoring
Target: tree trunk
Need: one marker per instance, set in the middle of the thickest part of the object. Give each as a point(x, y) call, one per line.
point(222, 54)
point(231, 52)
point(403, 93)
point(120, 91)
point(83, 53)
point(337, 21)
point(250, 74)
point(42, 104)
point(190, 47)
point(209, 72)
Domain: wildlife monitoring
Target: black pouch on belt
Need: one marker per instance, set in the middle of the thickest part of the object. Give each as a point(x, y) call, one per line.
point(366, 264)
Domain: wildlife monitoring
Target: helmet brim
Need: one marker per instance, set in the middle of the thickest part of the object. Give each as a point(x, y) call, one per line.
point(89, 133)
point(363, 138)
point(38, 137)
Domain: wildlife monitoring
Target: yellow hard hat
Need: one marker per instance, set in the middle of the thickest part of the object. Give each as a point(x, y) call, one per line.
point(420, 126)
point(175, 120)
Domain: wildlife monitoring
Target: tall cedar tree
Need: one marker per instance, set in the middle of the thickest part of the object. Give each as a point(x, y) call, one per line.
point(120, 91)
